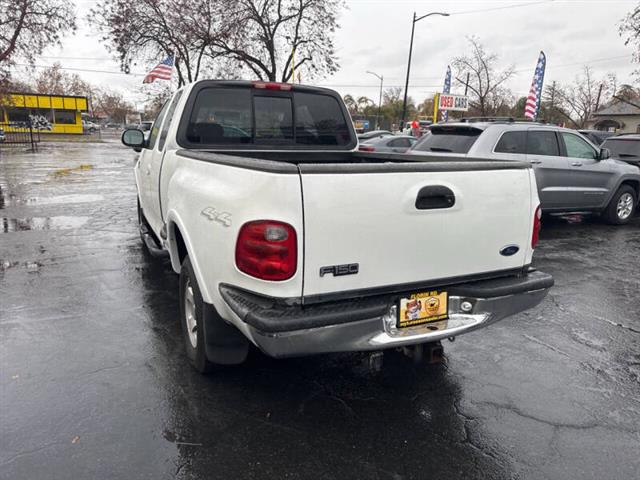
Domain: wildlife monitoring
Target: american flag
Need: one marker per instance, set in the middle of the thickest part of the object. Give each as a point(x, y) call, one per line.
point(532, 106)
point(446, 89)
point(162, 71)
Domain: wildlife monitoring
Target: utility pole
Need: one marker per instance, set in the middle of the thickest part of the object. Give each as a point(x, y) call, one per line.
point(466, 84)
point(406, 83)
point(598, 99)
point(553, 97)
point(381, 78)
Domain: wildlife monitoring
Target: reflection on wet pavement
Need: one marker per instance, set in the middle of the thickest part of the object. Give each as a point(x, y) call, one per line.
point(94, 383)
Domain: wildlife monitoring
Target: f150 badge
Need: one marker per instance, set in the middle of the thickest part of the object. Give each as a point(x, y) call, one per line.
point(339, 270)
point(215, 215)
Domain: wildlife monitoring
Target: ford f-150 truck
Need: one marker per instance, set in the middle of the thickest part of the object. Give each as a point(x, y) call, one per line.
point(288, 238)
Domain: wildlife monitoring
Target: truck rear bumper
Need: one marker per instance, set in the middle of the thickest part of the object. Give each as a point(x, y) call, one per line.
point(370, 323)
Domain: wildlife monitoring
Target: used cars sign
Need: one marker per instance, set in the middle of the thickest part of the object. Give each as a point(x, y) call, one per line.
point(458, 103)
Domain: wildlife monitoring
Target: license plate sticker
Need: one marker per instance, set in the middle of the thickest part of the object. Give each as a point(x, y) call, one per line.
point(424, 307)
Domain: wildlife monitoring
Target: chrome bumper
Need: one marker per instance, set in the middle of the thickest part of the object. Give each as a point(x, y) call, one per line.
point(380, 332)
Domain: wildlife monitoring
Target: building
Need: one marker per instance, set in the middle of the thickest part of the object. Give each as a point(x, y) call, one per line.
point(63, 112)
point(618, 116)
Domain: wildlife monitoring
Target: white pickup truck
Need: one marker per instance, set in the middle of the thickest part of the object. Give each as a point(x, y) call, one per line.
point(288, 238)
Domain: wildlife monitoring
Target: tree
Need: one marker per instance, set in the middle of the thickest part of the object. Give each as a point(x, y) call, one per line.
point(113, 105)
point(270, 37)
point(150, 29)
point(392, 105)
point(351, 104)
point(486, 82)
point(629, 29)
point(55, 81)
point(28, 26)
point(577, 101)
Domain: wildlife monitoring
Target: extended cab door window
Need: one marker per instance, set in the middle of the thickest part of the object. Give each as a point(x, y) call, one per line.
point(155, 129)
point(167, 122)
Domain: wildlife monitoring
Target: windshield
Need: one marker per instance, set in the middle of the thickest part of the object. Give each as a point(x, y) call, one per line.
point(621, 148)
point(448, 140)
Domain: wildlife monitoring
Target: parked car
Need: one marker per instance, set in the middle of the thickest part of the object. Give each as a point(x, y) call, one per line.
point(89, 126)
point(2, 136)
point(292, 240)
point(373, 134)
point(596, 136)
point(390, 144)
point(624, 147)
point(145, 127)
point(572, 174)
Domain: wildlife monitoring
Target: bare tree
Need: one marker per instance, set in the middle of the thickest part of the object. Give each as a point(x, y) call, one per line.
point(577, 101)
point(55, 81)
point(629, 29)
point(272, 38)
point(113, 105)
point(150, 29)
point(486, 82)
point(28, 26)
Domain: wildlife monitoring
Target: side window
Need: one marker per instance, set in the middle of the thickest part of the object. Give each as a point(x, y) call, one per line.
point(403, 142)
point(577, 147)
point(542, 143)
point(155, 130)
point(167, 122)
point(512, 142)
point(396, 142)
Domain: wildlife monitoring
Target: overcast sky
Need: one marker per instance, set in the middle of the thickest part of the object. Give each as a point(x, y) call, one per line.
point(374, 35)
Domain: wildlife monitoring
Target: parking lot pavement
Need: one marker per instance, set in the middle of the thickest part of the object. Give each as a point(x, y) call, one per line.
point(94, 383)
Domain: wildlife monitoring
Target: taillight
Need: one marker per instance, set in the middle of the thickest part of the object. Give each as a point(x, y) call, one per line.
point(267, 249)
point(366, 148)
point(272, 86)
point(537, 224)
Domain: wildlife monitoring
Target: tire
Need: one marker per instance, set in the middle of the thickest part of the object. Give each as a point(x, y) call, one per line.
point(209, 341)
point(622, 206)
point(191, 319)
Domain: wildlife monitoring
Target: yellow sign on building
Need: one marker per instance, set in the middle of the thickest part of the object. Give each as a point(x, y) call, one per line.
point(63, 112)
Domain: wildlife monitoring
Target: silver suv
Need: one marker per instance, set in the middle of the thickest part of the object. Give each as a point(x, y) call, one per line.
point(573, 175)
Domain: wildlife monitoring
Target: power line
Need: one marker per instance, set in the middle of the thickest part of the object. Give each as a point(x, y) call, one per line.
point(504, 7)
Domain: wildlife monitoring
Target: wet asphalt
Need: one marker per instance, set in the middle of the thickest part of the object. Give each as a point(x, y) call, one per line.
point(94, 383)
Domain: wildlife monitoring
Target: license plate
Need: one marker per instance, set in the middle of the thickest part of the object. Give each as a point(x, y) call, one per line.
point(421, 308)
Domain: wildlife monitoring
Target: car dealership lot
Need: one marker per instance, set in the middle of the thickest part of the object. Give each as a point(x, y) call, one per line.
point(94, 383)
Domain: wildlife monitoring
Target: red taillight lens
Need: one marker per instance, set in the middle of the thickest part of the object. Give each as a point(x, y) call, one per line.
point(366, 148)
point(537, 224)
point(267, 250)
point(272, 86)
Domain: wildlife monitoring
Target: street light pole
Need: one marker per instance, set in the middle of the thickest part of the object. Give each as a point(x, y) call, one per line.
point(406, 84)
point(381, 78)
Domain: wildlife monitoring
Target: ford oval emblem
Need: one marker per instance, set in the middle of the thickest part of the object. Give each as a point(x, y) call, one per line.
point(509, 250)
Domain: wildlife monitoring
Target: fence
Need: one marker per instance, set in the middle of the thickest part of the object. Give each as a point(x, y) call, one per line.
point(14, 134)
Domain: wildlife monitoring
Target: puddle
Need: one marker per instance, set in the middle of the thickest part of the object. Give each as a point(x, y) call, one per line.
point(62, 222)
point(12, 200)
point(63, 172)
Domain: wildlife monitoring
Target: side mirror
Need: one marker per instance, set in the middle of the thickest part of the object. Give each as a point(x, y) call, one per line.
point(604, 154)
point(132, 137)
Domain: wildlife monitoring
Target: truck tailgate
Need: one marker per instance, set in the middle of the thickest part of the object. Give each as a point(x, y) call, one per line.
point(417, 224)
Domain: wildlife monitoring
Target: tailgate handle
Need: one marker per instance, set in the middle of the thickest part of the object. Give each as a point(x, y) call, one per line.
point(435, 196)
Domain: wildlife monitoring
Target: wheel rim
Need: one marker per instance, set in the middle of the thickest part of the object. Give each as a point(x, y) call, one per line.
point(625, 206)
point(190, 314)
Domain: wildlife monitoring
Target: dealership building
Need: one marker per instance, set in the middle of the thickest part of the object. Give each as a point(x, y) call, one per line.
point(63, 112)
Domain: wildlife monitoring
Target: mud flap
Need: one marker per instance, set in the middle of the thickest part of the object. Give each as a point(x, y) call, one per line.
point(224, 344)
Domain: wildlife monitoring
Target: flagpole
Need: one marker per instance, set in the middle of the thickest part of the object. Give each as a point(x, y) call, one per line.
point(541, 84)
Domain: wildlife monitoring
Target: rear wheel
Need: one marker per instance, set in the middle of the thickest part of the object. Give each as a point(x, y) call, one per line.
point(622, 206)
point(209, 340)
point(191, 318)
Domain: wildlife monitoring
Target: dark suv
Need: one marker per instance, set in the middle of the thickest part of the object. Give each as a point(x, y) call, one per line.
point(572, 174)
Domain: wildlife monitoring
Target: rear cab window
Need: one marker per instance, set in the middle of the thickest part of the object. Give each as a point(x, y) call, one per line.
point(458, 139)
point(243, 117)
